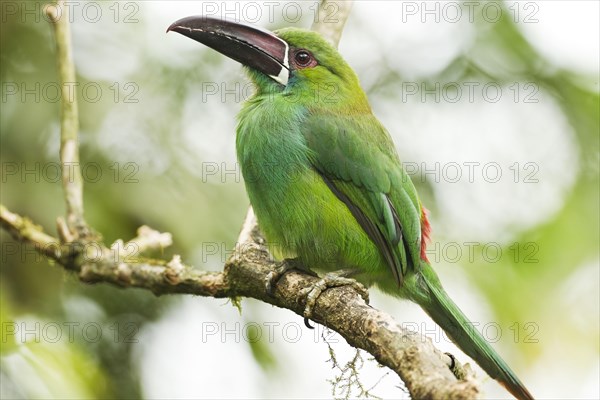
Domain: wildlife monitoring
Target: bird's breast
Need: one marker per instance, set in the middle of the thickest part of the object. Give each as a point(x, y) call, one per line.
point(296, 210)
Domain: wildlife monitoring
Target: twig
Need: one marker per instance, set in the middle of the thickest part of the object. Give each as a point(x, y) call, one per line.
point(69, 121)
point(331, 18)
point(23, 230)
point(147, 239)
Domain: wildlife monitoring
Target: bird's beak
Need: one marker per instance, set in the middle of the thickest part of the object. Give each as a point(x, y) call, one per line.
point(253, 47)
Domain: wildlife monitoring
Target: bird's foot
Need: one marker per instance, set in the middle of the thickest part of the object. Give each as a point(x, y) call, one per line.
point(330, 280)
point(282, 268)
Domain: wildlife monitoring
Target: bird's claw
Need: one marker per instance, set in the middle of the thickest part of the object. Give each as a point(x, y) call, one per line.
point(282, 268)
point(274, 276)
point(330, 280)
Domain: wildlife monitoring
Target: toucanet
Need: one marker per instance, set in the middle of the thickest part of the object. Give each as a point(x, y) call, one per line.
point(324, 177)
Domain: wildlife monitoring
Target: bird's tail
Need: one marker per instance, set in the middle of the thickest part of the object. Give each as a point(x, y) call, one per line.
point(449, 317)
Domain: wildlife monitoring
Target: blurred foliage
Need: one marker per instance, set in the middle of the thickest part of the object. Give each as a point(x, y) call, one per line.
point(568, 240)
point(162, 188)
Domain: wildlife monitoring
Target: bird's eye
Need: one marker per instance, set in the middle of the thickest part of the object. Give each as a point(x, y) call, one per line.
point(303, 58)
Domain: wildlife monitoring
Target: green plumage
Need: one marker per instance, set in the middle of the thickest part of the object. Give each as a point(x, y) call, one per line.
point(327, 187)
point(324, 177)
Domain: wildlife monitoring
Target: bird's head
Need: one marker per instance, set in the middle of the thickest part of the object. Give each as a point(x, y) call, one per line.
point(290, 61)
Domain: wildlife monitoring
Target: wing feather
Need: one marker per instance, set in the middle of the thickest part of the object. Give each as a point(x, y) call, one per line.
point(357, 160)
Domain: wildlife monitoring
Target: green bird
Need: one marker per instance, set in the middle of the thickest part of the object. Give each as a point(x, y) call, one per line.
point(324, 178)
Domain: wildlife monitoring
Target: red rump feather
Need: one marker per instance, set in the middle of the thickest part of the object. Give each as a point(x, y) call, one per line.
point(425, 233)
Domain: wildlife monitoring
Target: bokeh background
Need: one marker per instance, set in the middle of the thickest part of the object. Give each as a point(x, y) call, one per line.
point(494, 108)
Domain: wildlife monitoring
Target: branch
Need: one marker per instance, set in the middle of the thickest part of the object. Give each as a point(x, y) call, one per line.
point(423, 368)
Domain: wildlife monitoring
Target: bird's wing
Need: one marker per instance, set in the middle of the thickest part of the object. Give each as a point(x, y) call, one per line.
point(357, 160)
